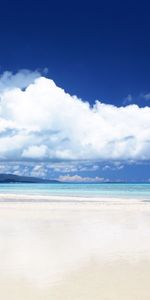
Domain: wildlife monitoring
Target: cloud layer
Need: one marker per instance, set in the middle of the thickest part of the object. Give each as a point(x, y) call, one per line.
point(40, 121)
point(77, 178)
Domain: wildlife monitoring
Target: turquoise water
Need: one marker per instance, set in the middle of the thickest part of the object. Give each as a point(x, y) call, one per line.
point(123, 190)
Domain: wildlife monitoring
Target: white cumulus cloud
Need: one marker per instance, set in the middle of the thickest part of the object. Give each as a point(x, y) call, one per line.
point(21, 79)
point(43, 122)
point(77, 178)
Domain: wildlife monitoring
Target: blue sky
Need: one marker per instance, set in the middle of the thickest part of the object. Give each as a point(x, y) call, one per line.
point(95, 50)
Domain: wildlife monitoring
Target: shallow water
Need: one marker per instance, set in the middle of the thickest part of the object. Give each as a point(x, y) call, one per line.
point(74, 251)
point(108, 190)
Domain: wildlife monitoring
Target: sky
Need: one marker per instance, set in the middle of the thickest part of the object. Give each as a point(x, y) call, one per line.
point(75, 90)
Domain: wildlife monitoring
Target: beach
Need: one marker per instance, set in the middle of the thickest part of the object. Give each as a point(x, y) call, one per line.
point(56, 247)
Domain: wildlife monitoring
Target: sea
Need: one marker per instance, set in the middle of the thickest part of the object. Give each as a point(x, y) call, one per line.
point(98, 190)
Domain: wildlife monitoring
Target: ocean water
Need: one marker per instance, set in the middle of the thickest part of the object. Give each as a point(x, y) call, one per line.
point(112, 190)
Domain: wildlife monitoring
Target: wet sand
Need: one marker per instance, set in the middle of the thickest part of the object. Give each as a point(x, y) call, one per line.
point(74, 250)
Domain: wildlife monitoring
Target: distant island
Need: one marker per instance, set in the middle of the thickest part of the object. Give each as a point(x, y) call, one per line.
point(11, 178)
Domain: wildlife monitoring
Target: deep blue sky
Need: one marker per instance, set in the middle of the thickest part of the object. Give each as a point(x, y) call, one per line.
point(96, 50)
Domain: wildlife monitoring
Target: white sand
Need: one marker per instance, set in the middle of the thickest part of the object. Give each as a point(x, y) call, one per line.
point(74, 249)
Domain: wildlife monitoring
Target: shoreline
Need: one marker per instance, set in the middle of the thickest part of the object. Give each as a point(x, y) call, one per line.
point(75, 203)
point(66, 198)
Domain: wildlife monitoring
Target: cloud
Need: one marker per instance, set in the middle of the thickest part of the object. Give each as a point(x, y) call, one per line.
point(77, 178)
point(21, 79)
point(44, 123)
point(45, 169)
point(35, 152)
point(115, 166)
point(146, 96)
point(128, 99)
point(26, 169)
